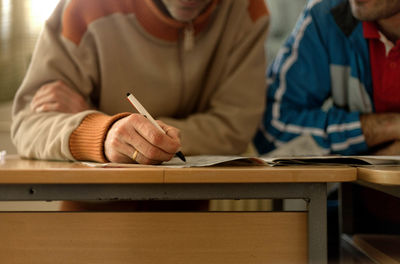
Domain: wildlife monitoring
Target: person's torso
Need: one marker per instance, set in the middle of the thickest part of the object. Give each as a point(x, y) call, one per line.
point(135, 54)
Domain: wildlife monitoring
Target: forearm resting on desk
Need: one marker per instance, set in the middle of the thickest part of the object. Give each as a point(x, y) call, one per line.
point(57, 96)
point(381, 128)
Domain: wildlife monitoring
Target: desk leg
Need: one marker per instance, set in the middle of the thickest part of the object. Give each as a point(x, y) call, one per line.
point(317, 224)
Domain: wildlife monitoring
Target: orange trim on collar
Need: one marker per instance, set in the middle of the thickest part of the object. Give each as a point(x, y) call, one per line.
point(79, 14)
point(257, 9)
point(161, 26)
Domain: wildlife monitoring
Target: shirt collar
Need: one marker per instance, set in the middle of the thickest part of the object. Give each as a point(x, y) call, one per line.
point(371, 32)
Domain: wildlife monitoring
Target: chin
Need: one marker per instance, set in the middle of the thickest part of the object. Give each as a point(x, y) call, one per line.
point(184, 15)
point(364, 16)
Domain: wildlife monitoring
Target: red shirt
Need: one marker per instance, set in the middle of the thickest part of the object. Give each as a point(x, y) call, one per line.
point(385, 66)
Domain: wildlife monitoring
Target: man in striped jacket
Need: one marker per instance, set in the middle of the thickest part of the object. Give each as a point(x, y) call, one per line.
point(337, 80)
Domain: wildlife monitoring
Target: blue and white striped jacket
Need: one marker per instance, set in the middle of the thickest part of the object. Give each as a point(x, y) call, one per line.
point(320, 82)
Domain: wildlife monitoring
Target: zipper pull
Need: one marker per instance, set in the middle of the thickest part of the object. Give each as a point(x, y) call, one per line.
point(188, 37)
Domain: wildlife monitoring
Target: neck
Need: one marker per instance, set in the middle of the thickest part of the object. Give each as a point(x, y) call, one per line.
point(390, 27)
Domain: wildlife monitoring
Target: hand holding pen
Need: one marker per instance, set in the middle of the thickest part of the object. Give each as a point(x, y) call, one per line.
point(135, 138)
point(139, 107)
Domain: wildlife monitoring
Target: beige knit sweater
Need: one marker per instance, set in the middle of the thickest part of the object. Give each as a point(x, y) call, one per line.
point(214, 92)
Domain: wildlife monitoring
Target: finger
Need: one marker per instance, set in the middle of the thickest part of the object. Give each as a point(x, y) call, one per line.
point(45, 93)
point(68, 100)
point(48, 107)
point(142, 159)
point(35, 100)
point(151, 134)
point(43, 99)
point(150, 153)
point(117, 151)
point(123, 133)
point(122, 139)
point(51, 87)
point(71, 99)
point(170, 130)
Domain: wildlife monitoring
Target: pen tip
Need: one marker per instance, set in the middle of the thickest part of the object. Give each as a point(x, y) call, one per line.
point(127, 94)
point(181, 156)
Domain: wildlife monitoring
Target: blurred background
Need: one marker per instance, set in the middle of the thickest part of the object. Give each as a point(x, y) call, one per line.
point(20, 24)
point(284, 14)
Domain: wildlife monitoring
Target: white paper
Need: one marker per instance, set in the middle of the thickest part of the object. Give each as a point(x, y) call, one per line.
point(214, 160)
point(191, 161)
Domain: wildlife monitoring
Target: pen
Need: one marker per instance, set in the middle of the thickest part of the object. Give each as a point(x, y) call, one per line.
point(139, 107)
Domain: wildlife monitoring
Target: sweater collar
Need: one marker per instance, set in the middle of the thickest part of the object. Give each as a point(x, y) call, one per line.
point(162, 26)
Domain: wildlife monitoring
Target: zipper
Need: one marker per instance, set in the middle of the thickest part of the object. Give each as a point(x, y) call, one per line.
point(188, 37)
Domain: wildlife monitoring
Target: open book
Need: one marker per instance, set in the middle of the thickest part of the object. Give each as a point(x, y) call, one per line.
point(333, 159)
point(191, 161)
point(215, 160)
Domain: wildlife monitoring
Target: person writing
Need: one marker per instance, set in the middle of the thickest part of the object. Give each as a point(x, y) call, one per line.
point(337, 79)
point(196, 65)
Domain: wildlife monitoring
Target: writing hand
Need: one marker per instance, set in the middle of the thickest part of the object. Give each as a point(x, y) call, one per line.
point(58, 97)
point(136, 132)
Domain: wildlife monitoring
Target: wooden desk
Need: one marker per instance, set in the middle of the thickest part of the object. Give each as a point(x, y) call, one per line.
point(370, 248)
point(381, 178)
point(26, 180)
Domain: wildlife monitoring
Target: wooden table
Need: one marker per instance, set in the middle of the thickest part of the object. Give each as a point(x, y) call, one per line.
point(251, 237)
point(363, 246)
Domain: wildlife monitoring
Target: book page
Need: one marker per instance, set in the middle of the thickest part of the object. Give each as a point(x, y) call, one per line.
point(333, 159)
point(191, 161)
point(219, 160)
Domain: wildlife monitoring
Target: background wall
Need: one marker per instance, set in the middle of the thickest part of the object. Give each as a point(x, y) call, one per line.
point(284, 14)
point(20, 24)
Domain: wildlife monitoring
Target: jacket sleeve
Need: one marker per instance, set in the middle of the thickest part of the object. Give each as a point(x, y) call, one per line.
point(235, 108)
point(47, 135)
point(299, 88)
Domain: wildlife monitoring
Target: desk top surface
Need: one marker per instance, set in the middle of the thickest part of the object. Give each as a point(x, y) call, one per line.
point(20, 171)
point(385, 175)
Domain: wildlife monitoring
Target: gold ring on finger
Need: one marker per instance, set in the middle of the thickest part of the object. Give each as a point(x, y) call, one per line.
point(134, 155)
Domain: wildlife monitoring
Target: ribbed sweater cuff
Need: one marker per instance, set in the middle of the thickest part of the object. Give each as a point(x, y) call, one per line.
point(87, 140)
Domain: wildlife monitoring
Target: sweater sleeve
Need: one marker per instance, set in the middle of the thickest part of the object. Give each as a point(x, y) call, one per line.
point(87, 140)
point(46, 135)
point(300, 85)
point(233, 112)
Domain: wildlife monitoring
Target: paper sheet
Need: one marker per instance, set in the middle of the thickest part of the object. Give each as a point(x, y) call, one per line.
point(215, 160)
point(191, 161)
